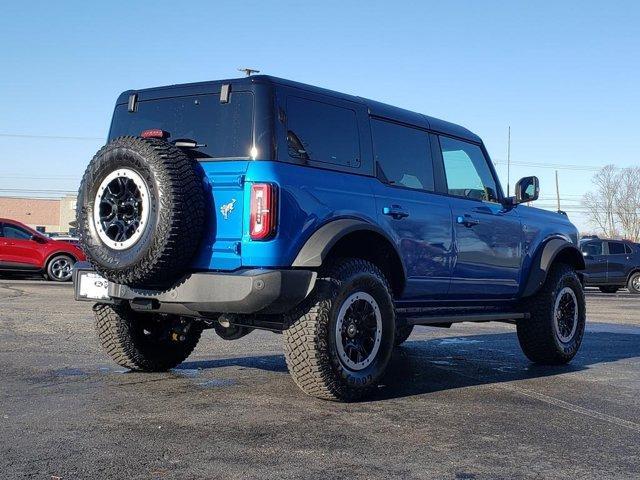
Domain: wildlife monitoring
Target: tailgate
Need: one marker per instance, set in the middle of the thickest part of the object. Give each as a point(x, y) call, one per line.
point(220, 248)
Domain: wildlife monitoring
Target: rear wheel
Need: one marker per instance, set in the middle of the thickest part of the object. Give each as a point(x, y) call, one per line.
point(147, 342)
point(59, 268)
point(608, 289)
point(634, 283)
point(339, 342)
point(553, 333)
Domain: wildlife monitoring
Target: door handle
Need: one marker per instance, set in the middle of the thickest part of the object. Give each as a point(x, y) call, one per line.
point(395, 211)
point(467, 221)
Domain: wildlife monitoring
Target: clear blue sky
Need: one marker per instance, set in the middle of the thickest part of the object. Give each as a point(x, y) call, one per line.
point(564, 74)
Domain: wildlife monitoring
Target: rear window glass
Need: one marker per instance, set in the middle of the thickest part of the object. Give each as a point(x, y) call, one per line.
point(402, 154)
point(223, 129)
point(616, 248)
point(320, 132)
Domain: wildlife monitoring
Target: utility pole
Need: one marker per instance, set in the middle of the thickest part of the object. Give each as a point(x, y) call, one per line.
point(508, 159)
point(557, 190)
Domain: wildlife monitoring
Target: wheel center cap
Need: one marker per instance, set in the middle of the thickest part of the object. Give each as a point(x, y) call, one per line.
point(352, 330)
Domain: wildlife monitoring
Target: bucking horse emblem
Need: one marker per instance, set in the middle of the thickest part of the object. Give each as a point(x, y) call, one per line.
point(225, 209)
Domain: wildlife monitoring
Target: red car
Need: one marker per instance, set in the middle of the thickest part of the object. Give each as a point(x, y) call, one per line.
point(23, 249)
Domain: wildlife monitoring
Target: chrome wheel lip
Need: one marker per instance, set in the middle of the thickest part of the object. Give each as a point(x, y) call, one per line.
point(61, 268)
point(143, 190)
point(342, 354)
point(558, 315)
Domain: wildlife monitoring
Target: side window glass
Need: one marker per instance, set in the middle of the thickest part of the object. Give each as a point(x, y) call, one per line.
point(11, 231)
point(592, 248)
point(616, 248)
point(402, 155)
point(467, 171)
point(321, 132)
point(627, 249)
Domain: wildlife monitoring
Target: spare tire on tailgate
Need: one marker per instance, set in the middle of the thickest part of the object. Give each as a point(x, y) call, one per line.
point(141, 211)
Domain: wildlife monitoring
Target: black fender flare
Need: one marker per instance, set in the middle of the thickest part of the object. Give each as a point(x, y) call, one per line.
point(547, 253)
point(318, 245)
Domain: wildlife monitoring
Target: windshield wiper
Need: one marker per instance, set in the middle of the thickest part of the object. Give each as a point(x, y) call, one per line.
point(187, 143)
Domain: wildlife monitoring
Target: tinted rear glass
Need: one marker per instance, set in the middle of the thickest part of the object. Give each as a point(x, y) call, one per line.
point(320, 132)
point(224, 129)
point(616, 248)
point(403, 155)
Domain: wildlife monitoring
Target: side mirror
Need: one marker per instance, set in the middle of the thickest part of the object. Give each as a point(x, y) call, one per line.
point(527, 190)
point(38, 239)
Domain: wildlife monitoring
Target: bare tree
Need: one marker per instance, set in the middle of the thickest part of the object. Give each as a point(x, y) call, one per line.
point(614, 205)
point(601, 202)
point(627, 202)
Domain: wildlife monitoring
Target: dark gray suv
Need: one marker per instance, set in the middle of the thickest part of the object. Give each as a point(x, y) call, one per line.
point(611, 264)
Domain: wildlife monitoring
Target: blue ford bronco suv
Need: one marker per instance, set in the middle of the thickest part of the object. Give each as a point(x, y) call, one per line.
point(340, 222)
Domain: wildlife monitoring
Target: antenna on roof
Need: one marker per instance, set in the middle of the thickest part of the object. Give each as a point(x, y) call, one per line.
point(248, 71)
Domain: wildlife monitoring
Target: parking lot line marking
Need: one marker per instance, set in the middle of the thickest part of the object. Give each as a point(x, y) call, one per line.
point(572, 407)
point(547, 399)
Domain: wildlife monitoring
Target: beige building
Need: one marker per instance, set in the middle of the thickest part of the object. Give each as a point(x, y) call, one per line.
point(50, 214)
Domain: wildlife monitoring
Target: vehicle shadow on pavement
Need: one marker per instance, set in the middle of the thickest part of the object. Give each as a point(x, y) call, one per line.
point(425, 366)
point(269, 363)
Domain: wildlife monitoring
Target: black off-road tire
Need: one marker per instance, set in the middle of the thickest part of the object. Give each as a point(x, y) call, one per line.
point(176, 218)
point(402, 334)
point(634, 282)
point(537, 335)
point(309, 341)
point(122, 335)
point(608, 289)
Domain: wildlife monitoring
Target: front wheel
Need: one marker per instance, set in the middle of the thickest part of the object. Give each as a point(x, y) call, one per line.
point(339, 342)
point(634, 283)
point(149, 342)
point(59, 268)
point(553, 333)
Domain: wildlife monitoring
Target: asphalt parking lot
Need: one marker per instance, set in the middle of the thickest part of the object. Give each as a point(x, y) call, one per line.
point(459, 403)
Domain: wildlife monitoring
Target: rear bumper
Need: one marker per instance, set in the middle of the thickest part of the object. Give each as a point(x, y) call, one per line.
point(202, 293)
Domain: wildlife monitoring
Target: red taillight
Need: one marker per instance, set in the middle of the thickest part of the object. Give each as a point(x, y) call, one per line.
point(262, 222)
point(153, 133)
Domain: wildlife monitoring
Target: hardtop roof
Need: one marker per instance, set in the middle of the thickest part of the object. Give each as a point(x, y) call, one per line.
point(375, 108)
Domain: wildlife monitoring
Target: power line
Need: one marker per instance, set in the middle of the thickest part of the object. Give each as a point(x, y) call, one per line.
point(28, 190)
point(49, 177)
point(49, 137)
point(550, 165)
